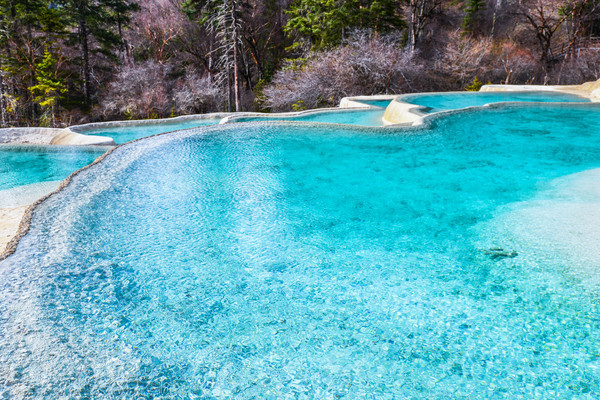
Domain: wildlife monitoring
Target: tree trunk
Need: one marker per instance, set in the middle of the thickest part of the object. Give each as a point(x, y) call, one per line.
point(236, 79)
point(2, 100)
point(412, 39)
point(229, 91)
point(85, 53)
point(236, 72)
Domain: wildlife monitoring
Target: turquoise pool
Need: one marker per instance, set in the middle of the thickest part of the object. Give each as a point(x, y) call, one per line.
point(124, 134)
point(375, 103)
point(277, 261)
point(23, 165)
point(455, 100)
point(370, 117)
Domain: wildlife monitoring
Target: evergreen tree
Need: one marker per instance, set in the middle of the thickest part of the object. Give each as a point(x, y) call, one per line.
point(50, 87)
point(26, 26)
point(94, 23)
point(323, 24)
point(471, 23)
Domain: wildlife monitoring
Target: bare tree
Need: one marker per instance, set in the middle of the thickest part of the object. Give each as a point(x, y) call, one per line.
point(227, 24)
point(464, 58)
point(156, 27)
point(544, 18)
point(365, 65)
point(140, 91)
point(197, 94)
point(420, 13)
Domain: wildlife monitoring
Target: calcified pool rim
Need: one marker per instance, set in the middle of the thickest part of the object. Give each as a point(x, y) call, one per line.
point(401, 111)
point(83, 128)
point(288, 116)
point(425, 123)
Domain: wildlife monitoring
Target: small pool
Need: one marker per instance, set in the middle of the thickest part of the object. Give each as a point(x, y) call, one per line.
point(456, 100)
point(374, 103)
point(23, 165)
point(370, 117)
point(124, 134)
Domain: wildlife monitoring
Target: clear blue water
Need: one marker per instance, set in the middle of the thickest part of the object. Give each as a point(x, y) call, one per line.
point(22, 165)
point(124, 134)
point(455, 100)
point(347, 117)
point(270, 261)
point(375, 103)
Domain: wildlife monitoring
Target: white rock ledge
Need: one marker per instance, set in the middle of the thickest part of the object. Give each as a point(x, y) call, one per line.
point(55, 136)
point(68, 137)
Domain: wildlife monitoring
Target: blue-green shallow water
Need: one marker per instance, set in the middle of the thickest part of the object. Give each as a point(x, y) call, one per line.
point(456, 100)
point(124, 134)
point(272, 261)
point(22, 165)
point(375, 103)
point(372, 117)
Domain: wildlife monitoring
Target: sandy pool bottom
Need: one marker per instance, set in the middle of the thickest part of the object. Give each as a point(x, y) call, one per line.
point(13, 204)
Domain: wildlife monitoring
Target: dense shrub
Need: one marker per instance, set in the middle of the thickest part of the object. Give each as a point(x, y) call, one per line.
point(364, 66)
point(465, 58)
point(155, 90)
point(196, 94)
point(139, 91)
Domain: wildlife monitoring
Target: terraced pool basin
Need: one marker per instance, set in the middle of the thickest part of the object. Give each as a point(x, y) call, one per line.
point(24, 164)
point(456, 100)
point(374, 103)
point(127, 133)
point(366, 117)
point(269, 260)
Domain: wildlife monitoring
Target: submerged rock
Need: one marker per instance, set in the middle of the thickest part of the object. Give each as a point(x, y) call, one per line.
point(498, 253)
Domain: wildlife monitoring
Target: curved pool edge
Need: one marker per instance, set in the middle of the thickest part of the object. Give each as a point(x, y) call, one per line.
point(147, 122)
point(402, 112)
point(589, 90)
point(424, 123)
point(356, 101)
point(25, 136)
point(25, 222)
point(281, 117)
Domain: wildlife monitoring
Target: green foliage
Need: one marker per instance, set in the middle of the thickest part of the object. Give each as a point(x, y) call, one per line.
point(31, 29)
point(471, 23)
point(323, 24)
point(294, 64)
point(299, 106)
point(97, 20)
point(50, 87)
point(474, 86)
point(259, 95)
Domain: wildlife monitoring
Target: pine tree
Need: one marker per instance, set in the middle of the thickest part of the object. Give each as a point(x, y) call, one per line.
point(471, 23)
point(25, 27)
point(324, 24)
point(50, 87)
point(93, 23)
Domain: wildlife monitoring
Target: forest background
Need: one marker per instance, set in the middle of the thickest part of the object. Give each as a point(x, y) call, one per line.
point(64, 62)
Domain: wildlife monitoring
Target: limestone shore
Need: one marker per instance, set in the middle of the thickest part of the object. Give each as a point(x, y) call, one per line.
point(10, 218)
point(13, 205)
point(45, 136)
